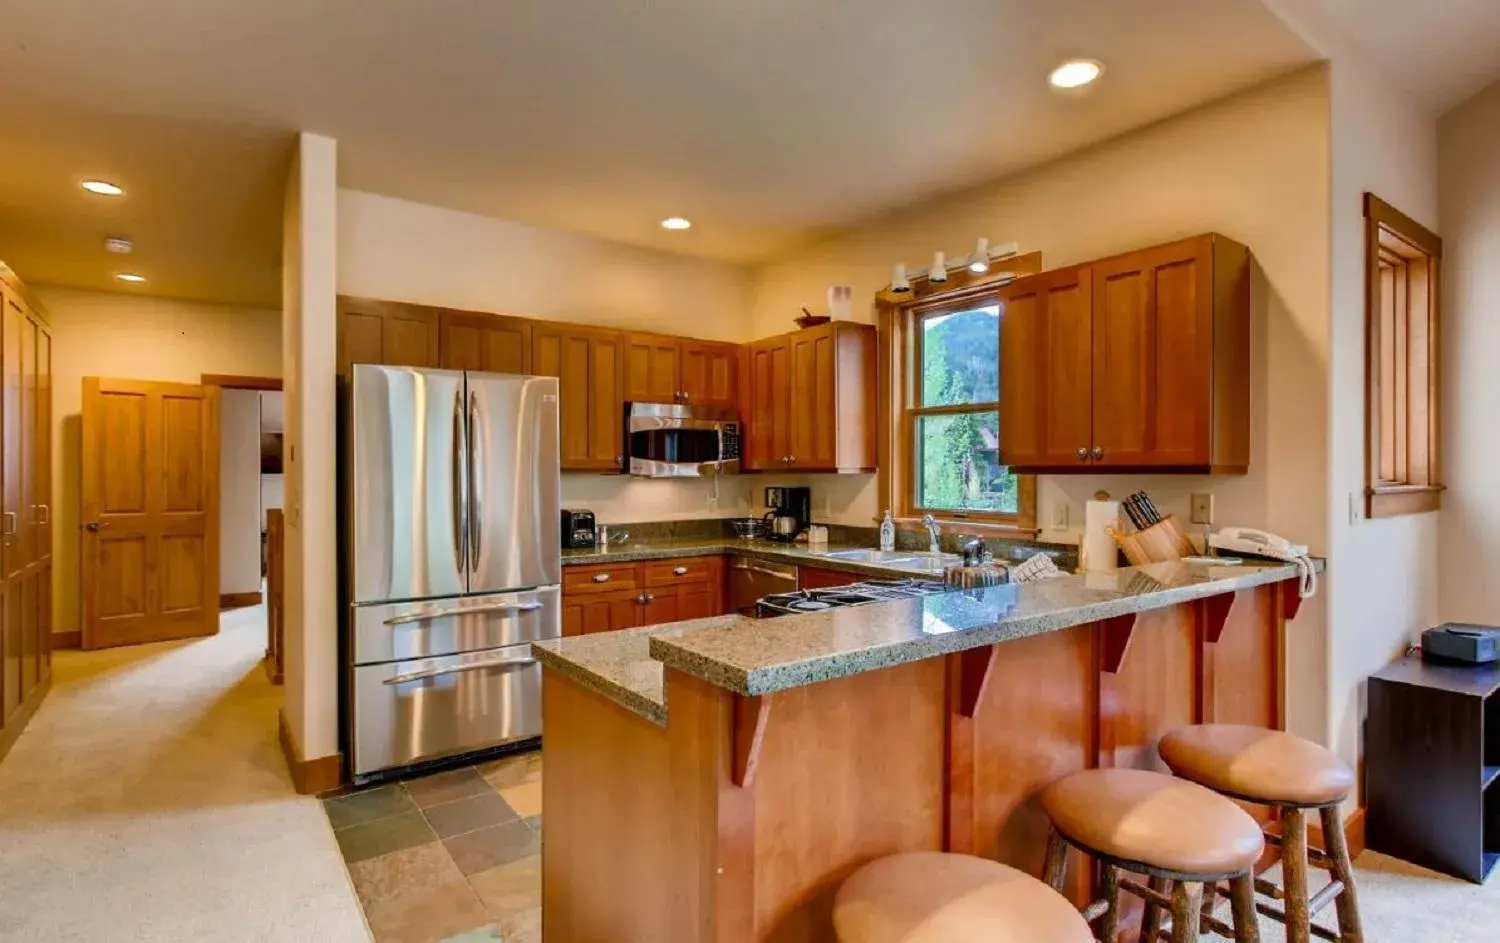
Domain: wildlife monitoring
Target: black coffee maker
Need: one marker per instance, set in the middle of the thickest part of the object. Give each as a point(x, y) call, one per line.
point(790, 512)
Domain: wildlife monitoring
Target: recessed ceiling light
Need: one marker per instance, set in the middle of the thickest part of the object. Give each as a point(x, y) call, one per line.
point(131, 277)
point(676, 222)
point(103, 188)
point(1076, 73)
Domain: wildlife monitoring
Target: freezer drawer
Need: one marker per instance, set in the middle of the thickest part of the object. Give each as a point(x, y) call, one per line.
point(408, 711)
point(436, 627)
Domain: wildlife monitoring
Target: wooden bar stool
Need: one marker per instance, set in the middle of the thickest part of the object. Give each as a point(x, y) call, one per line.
point(1182, 836)
point(933, 897)
point(1268, 767)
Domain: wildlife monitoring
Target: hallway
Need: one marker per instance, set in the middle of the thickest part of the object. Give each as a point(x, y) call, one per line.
point(148, 800)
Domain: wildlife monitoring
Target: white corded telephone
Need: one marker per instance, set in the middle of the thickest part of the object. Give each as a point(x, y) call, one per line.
point(1263, 544)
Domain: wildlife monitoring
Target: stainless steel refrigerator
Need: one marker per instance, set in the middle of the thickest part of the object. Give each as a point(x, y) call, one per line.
point(452, 560)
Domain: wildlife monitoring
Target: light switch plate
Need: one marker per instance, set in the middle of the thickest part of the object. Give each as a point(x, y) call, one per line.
point(1060, 516)
point(1203, 508)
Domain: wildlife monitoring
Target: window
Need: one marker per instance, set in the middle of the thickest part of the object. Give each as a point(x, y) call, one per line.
point(1402, 261)
point(939, 405)
point(954, 420)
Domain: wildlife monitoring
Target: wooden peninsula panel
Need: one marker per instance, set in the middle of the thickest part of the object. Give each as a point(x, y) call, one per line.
point(737, 822)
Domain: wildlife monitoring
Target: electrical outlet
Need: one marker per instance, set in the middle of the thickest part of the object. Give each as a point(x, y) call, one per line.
point(1059, 516)
point(1203, 508)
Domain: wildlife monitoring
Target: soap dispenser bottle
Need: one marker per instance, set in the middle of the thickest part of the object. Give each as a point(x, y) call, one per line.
point(888, 533)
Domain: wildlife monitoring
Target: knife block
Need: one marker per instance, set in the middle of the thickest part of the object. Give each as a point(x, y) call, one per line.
point(1162, 541)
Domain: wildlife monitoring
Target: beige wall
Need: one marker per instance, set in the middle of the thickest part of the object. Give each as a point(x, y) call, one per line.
point(395, 249)
point(1469, 550)
point(134, 337)
point(1253, 167)
point(1382, 583)
point(239, 491)
point(308, 297)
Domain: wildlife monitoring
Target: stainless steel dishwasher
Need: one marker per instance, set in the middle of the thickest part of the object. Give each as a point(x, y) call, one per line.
point(749, 580)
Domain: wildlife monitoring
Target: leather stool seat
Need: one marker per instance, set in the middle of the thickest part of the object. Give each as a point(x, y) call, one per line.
point(1258, 764)
point(932, 897)
point(1153, 819)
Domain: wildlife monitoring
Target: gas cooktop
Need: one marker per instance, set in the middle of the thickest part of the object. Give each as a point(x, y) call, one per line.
point(855, 594)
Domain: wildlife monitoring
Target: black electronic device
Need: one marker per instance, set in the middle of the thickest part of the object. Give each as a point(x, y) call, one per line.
point(579, 529)
point(1457, 643)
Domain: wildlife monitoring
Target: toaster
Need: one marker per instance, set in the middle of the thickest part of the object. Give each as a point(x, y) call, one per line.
point(578, 529)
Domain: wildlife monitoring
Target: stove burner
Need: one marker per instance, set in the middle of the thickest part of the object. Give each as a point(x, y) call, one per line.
point(856, 594)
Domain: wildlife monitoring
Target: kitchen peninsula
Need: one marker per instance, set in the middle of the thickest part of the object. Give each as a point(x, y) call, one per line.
point(715, 780)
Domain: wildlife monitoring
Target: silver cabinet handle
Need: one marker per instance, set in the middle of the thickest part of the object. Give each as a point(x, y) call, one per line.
point(1083, 454)
point(471, 666)
point(601, 577)
point(460, 483)
point(476, 471)
point(680, 571)
point(1098, 453)
point(792, 459)
point(43, 514)
point(508, 608)
point(8, 528)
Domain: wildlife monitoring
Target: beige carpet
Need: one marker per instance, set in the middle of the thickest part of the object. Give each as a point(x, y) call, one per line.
point(148, 800)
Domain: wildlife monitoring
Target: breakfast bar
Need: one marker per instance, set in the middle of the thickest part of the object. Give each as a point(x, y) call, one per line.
point(716, 780)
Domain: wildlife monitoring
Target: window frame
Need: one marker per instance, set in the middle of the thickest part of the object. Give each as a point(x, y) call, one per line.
point(899, 316)
point(1403, 265)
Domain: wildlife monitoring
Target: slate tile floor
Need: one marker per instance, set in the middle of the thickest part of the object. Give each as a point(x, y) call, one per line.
point(452, 857)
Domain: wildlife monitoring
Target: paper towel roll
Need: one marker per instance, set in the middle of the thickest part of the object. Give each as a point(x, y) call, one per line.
point(1096, 550)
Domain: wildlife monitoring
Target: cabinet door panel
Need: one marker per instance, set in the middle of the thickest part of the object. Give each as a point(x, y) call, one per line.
point(44, 616)
point(30, 634)
point(606, 404)
point(1153, 347)
point(814, 400)
point(1046, 366)
point(386, 332)
point(10, 651)
point(28, 526)
point(660, 608)
point(768, 425)
point(43, 478)
point(710, 373)
point(565, 355)
point(652, 369)
point(694, 603)
point(492, 343)
point(12, 323)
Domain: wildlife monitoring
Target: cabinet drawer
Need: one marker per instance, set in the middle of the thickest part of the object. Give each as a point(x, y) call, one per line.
point(606, 578)
point(674, 572)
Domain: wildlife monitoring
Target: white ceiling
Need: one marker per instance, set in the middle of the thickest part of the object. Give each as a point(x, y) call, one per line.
point(1443, 51)
point(766, 122)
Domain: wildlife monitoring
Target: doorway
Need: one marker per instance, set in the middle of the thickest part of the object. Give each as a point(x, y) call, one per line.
point(250, 485)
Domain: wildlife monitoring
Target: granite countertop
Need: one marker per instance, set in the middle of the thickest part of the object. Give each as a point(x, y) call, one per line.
point(761, 656)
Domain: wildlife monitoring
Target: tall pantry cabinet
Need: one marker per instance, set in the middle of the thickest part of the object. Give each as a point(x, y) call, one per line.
point(25, 508)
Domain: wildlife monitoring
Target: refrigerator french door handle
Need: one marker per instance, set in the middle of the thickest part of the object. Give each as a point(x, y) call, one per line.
point(461, 482)
point(471, 666)
point(476, 473)
point(507, 607)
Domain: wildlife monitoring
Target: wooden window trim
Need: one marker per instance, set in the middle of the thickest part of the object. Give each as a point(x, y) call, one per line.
point(898, 388)
point(1403, 263)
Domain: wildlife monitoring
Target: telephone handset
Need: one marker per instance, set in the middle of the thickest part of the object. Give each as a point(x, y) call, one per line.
point(1264, 544)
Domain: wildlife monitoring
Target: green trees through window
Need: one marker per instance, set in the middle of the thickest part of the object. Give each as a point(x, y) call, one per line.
point(956, 422)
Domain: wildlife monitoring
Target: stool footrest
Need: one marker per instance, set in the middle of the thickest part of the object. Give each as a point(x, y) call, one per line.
point(1145, 893)
point(1278, 914)
point(1273, 891)
point(1324, 897)
point(1314, 856)
point(1095, 910)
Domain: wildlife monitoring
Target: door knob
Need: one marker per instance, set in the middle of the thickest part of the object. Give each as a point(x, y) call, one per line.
point(1098, 453)
point(1083, 454)
point(92, 527)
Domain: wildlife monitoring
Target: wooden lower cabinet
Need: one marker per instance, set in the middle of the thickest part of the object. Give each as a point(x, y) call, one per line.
point(610, 597)
point(811, 577)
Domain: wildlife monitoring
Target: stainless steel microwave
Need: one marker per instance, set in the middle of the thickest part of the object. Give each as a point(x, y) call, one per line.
point(666, 440)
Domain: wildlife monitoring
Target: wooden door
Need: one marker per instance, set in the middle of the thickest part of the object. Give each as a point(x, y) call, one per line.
point(1046, 368)
point(42, 500)
point(653, 369)
point(768, 425)
point(13, 535)
point(386, 332)
point(661, 606)
point(587, 613)
point(494, 343)
point(710, 374)
point(29, 527)
point(813, 400)
point(150, 553)
point(589, 365)
point(695, 602)
point(1153, 350)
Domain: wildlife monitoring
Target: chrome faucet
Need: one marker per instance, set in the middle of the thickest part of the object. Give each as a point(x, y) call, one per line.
point(933, 531)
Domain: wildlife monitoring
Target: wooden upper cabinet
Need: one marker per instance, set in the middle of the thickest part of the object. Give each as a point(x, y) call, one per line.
point(589, 364)
point(653, 368)
point(386, 332)
point(1046, 412)
point(812, 400)
point(493, 343)
point(768, 427)
point(1141, 361)
point(710, 374)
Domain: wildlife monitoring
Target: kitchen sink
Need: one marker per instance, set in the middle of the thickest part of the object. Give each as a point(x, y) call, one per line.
point(898, 558)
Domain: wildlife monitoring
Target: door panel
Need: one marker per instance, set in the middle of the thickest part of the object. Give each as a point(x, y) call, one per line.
point(10, 651)
point(606, 404)
point(44, 616)
point(406, 437)
point(489, 342)
point(694, 603)
point(150, 510)
point(43, 464)
point(813, 404)
point(27, 525)
point(769, 429)
point(710, 373)
point(660, 608)
point(652, 369)
point(513, 542)
point(12, 319)
point(1153, 347)
point(565, 355)
point(1046, 399)
point(31, 642)
point(386, 332)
